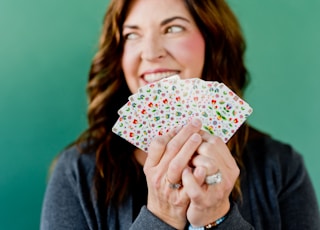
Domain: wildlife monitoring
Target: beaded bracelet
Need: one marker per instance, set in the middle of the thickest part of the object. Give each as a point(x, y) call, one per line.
point(209, 226)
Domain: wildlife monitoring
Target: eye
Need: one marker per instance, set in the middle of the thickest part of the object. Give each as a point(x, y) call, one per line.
point(130, 36)
point(174, 29)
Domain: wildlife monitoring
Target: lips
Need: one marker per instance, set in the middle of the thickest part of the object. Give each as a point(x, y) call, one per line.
point(152, 77)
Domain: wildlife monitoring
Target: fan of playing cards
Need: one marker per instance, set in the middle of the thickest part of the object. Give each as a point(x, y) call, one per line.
point(158, 107)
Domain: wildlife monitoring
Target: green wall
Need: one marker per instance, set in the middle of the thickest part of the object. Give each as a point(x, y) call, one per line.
point(45, 52)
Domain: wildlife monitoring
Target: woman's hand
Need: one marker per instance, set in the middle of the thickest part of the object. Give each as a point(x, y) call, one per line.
point(168, 156)
point(209, 202)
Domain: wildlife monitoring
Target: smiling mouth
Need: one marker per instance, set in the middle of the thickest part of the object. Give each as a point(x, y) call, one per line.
point(152, 77)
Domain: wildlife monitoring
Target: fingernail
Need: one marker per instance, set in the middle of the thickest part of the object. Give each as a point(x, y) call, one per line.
point(196, 122)
point(196, 137)
point(186, 171)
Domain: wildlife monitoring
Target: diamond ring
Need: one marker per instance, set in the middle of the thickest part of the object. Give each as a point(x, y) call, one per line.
point(214, 178)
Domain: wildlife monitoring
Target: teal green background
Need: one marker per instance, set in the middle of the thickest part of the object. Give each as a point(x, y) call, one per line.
point(45, 52)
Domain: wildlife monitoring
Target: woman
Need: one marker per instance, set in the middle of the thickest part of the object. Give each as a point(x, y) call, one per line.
point(104, 182)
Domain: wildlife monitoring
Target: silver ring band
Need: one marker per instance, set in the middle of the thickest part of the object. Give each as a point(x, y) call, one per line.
point(174, 185)
point(214, 178)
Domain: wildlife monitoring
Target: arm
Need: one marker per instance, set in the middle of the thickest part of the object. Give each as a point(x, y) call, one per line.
point(169, 156)
point(207, 201)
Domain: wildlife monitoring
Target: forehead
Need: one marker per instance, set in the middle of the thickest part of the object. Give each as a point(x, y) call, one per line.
point(148, 10)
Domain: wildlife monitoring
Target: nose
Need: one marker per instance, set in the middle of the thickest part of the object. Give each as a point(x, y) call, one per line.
point(152, 48)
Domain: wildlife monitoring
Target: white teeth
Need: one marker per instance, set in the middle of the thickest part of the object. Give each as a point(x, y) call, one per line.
point(157, 76)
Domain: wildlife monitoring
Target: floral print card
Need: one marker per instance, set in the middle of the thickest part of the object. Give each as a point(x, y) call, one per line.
point(160, 106)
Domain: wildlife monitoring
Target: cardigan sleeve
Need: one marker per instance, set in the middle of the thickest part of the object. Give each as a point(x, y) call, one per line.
point(147, 220)
point(234, 221)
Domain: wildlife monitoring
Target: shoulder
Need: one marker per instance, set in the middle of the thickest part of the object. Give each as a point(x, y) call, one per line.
point(272, 160)
point(73, 163)
point(68, 199)
point(276, 181)
point(267, 149)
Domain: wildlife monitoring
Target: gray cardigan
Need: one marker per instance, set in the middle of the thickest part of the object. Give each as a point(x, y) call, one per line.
point(276, 194)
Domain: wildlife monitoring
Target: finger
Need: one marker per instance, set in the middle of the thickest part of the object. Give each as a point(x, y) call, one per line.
point(181, 160)
point(176, 144)
point(209, 164)
point(213, 146)
point(225, 162)
point(213, 140)
point(199, 174)
point(190, 184)
point(182, 136)
point(157, 148)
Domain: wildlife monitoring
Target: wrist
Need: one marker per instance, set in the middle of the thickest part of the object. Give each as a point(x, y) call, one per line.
point(210, 225)
point(172, 218)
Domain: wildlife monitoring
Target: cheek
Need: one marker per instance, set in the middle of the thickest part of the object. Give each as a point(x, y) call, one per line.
point(129, 64)
point(127, 61)
point(190, 52)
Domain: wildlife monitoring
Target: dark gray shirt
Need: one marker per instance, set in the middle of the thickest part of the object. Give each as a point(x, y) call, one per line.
point(276, 194)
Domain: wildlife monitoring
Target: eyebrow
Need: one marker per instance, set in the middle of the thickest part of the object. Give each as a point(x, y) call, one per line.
point(164, 22)
point(168, 20)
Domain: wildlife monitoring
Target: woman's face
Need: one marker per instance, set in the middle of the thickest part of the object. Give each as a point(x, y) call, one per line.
point(161, 39)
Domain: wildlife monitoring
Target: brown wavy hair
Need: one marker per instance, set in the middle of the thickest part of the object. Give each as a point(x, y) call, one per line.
point(116, 167)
